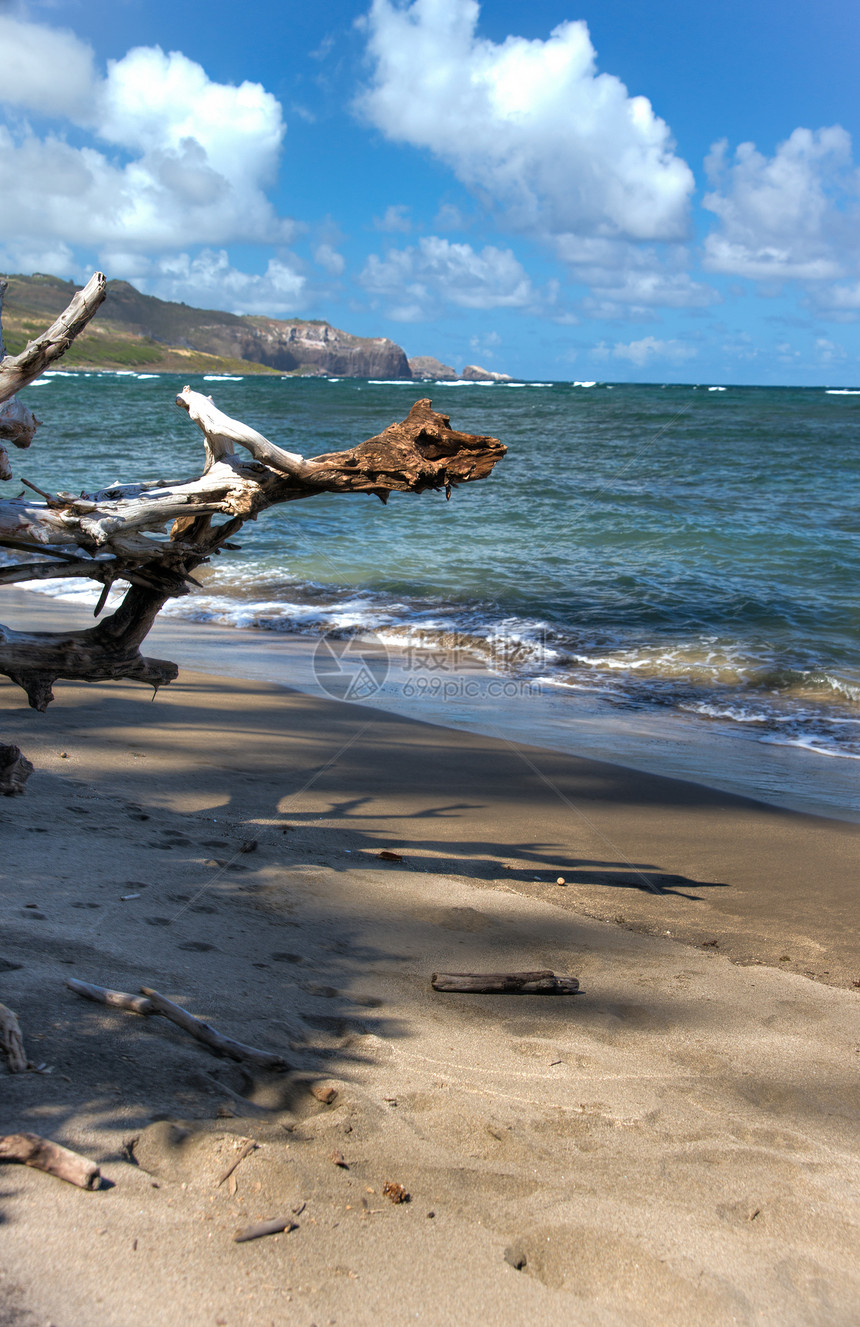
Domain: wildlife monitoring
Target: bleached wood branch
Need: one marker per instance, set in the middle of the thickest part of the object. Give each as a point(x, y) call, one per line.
point(18, 424)
point(221, 434)
point(16, 371)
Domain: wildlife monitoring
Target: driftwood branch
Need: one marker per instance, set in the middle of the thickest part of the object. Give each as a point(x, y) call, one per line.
point(42, 1154)
point(208, 1035)
point(19, 370)
point(11, 1041)
point(17, 423)
point(152, 536)
point(15, 770)
point(150, 1002)
point(541, 982)
point(136, 1004)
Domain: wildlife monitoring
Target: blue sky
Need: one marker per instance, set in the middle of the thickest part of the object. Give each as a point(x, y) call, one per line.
point(595, 190)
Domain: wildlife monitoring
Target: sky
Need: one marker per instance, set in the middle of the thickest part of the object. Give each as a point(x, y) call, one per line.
point(569, 190)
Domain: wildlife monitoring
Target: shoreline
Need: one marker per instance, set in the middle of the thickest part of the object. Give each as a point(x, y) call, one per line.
point(471, 698)
point(607, 822)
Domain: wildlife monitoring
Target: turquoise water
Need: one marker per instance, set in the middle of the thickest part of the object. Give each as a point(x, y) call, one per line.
point(685, 551)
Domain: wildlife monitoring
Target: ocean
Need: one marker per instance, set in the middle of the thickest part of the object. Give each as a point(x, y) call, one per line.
point(673, 566)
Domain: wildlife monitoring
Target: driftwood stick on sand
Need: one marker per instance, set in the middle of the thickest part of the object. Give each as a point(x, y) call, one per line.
point(261, 1228)
point(136, 1004)
point(11, 1042)
point(150, 1002)
point(237, 1050)
point(42, 1154)
point(541, 982)
point(246, 1151)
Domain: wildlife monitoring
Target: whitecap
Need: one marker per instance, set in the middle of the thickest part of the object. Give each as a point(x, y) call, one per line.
point(223, 377)
point(584, 384)
point(841, 391)
point(716, 389)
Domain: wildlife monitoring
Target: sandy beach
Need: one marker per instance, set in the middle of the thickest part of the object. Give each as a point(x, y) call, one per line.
point(677, 1144)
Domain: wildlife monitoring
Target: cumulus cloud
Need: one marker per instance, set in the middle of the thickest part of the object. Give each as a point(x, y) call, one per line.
point(420, 279)
point(530, 126)
point(45, 69)
point(396, 217)
point(632, 280)
point(189, 159)
point(208, 280)
point(648, 348)
point(792, 216)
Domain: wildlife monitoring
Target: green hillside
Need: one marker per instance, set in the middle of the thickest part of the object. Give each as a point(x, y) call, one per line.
point(130, 331)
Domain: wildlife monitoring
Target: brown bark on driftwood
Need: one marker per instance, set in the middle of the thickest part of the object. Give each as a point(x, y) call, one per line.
point(15, 770)
point(42, 1154)
point(541, 982)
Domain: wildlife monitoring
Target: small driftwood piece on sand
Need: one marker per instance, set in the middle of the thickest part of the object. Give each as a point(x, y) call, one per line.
point(150, 1002)
point(237, 1050)
point(136, 1004)
point(261, 1228)
point(15, 770)
point(246, 1151)
point(11, 1042)
point(42, 1154)
point(541, 982)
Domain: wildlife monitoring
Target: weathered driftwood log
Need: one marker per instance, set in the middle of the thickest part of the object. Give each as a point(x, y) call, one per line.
point(136, 1004)
point(42, 1154)
point(11, 1042)
point(541, 982)
point(15, 770)
point(152, 536)
point(237, 1050)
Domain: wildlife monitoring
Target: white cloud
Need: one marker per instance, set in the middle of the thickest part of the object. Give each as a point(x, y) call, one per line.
point(190, 160)
point(529, 126)
point(45, 69)
point(209, 281)
point(421, 278)
point(648, 348)
point(449, 217)
point(631, 280)
point(396, 218)
point(792, 216)
point(327, 256)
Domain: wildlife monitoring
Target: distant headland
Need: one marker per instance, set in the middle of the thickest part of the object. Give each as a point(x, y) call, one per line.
point(136, 331)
